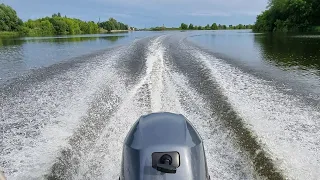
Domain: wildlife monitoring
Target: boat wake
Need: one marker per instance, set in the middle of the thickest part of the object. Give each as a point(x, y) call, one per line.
point(70, 123)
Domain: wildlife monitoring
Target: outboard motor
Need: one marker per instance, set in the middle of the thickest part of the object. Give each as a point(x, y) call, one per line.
point(163, 146)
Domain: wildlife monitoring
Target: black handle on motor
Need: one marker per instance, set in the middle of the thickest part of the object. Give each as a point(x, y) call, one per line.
point(165, 165)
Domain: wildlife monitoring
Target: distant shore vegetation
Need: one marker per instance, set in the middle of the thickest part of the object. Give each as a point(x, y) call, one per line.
point(213, 26)
point(289, 16)
point(12, 25)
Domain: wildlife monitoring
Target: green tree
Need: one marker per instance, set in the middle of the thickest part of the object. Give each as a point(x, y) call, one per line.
point(57, 15)
point(54, 25)
point(46, 28)
point(199, 27)
point(191, 27)
point(289, 15)
point(214, 26)
point(113, 24)
point(30, 24)
point(240, 26)
point(110, 26)
point(207, 27)
point(93, 27)
point(60, 26)
point(9, 21)
point(84, 27)
point(73, 26)
point(184, 26)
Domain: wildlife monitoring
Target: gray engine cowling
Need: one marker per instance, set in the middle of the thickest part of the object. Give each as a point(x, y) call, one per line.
point(163, 146)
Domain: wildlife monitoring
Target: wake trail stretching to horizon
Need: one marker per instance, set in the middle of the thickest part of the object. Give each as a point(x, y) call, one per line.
point(69, 120)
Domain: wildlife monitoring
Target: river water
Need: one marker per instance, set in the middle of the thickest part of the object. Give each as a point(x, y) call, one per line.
point(68, 102)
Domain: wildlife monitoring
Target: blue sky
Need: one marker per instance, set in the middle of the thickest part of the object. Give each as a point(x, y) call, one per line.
point(145, 13)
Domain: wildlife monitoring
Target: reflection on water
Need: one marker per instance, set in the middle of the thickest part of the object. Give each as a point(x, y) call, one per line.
point(290, 51)
point(234, 44)
point(290, 60)
point(20, 41)
point(19, 55)
point(77, 39)
point(9, 41)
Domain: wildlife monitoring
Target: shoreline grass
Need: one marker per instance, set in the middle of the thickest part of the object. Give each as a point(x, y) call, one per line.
point(9, 34)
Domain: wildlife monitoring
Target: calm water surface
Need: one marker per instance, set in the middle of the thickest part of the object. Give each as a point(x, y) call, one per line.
point(290, 59)
point(20, 55)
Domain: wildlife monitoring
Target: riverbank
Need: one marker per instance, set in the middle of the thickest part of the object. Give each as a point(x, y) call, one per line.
point(316, 29)
point(55, 25)
point(8, 34)
point(178, 29)
point(104, 31)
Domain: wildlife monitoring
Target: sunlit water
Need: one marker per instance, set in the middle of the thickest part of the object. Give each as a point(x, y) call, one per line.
point(67, 103)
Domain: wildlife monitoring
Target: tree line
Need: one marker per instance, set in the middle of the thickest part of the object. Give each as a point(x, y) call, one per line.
point(54, 25)
point(9, 21)
point(57, 25)
point(289, 16)
point(113, 24)
point(214, 26)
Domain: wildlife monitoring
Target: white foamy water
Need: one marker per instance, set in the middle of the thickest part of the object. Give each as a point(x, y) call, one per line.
point(53, 110)
point(40, 120)
point(163, 89)
point(288, 129)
